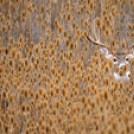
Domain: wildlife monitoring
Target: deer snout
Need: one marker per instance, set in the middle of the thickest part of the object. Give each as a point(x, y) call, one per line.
point(121, 66)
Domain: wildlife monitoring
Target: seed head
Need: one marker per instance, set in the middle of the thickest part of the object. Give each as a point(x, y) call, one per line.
point(98, 22)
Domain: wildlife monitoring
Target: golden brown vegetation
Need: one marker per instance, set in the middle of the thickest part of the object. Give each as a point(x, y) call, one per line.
point(48, 83)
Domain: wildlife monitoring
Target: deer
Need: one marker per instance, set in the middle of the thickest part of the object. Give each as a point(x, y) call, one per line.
point(120, 59)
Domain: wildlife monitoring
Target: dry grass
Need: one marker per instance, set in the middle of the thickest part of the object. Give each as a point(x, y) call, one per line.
point(52, 79)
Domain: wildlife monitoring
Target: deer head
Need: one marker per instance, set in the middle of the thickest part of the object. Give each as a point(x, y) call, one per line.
point(121, 60)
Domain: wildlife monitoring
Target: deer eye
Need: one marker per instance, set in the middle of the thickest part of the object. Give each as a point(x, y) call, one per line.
point(114, 59)
point(127, 59)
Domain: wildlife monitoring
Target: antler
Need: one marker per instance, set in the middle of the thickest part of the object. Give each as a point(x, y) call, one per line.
point(129, 48)
point(96, 41)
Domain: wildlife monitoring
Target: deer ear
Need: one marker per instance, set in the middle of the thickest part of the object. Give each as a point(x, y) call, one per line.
point(131, 54)
point(105, 52)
